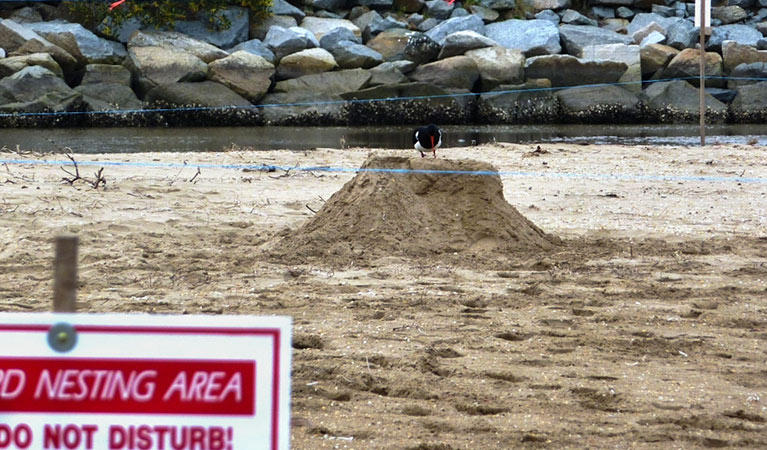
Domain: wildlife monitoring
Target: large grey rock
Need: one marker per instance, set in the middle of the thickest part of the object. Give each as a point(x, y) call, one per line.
point(532, 102)
point(439, 9)
point(735, 54)
point(380, 24)
point(428, 24)
point(663, 10)
point(109, 97)
point(567, 70)
point(283, 8)
point(498, 65)
point(678, 101)
point(598, 104)
point(681, 34)
point(282, 41)
point(223, 38)
point(350, 55)
point(602, 12)
point(549, 15)
point(729, 14)
point(123, 31)
point(106, 74)
point(246, 74)
point(572, 17)
point(686, 65)
point(319, 26)
point(305, 62)
point(391, 43)
point(259, 28)
point(744, 34)
point(80, 42)
point(15, 38)
point(336, 35)
point(471, 22)
point(537, 6)
point(13, 64)
point(460, 72)
point(175, 41)
point(488, 15)
point(334, 83)
point(386, 73)
point(576, 37)
point(744, 74)
point(26, 15)
point(725, 96)
point(153, 66)
point(462, 41)
point(256, 47)
point(654, 37)
point(37, 89)
point(205, 94)
point(532, 37)
point(460, 12)
point(421, 49)
point(655, 58)
point(642, 20)
point(623, 12)
point(750, 105)
point(363, 20)
point(641, 34)
point(631, 80)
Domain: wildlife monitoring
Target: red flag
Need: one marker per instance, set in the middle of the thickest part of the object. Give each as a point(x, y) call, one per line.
point(120, 2)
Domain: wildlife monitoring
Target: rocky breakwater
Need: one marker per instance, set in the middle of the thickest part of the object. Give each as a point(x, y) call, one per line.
point(323, 62)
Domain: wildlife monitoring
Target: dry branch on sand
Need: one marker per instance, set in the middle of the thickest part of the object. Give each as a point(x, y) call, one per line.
point(95, 183)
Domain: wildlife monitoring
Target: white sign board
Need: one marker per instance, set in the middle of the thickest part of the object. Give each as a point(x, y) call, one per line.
point(138, 382)
point(706, 4)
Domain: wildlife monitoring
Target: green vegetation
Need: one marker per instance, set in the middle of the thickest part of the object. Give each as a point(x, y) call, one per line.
point(163, 14)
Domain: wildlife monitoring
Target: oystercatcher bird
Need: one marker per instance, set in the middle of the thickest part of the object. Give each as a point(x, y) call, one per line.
point(427, 139)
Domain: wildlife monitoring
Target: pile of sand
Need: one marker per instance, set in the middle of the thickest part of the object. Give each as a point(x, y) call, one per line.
point(414, 214)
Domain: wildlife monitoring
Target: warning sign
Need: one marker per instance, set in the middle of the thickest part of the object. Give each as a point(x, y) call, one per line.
point(130, 382)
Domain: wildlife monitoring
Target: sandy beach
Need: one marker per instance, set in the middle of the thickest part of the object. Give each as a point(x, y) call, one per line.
point(645, 327)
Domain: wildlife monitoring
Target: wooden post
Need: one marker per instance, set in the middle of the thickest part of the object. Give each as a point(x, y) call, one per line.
point(65, 274)
point(702, 83)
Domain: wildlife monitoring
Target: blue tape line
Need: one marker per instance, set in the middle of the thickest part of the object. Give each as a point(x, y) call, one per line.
point(271, 168)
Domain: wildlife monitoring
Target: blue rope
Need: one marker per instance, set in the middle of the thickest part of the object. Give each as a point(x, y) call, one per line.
point(272, 168)
point(353, 101)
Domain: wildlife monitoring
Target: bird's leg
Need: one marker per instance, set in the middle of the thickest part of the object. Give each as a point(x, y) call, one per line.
point(433, 148)
point(422, 155)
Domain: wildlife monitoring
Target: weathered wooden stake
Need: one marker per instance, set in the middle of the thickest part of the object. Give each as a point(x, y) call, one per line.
point(65, 274)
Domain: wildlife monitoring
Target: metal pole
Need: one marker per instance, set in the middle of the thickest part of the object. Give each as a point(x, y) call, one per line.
point(702, 83)
point(65, 274)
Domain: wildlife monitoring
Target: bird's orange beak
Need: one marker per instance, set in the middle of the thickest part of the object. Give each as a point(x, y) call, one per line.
point(432, 141)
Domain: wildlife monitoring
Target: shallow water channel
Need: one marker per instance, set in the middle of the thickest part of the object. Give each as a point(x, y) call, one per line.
point(136, 140)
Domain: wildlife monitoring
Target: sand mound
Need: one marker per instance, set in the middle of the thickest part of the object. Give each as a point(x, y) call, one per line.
point(378, 214)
